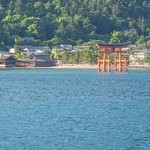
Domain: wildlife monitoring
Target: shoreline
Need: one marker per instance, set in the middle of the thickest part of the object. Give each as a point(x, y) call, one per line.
point(88, 66)
point(76, 66)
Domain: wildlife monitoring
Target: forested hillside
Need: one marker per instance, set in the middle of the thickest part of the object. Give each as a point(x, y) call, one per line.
point(52, 22)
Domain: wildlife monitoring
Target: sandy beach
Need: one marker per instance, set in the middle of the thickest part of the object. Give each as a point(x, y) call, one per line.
point(88, 66)
point(76, 66)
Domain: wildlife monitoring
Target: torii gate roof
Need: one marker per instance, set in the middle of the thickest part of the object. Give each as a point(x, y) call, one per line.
point(113, 45)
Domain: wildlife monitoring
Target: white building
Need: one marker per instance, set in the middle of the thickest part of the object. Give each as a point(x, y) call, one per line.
point(62, 46)
point(140, 55)
point(12, 50)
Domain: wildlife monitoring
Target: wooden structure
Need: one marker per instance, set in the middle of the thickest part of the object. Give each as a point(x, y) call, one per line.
point(7, 61)
point(42, 61)
point(116, 49)
point(24, 63)
point(33, 61)
point(36, 61)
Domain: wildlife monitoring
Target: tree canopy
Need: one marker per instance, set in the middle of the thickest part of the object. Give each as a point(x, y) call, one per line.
point(52, 22)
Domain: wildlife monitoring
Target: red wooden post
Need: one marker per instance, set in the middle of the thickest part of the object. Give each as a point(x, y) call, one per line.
point(120, 63)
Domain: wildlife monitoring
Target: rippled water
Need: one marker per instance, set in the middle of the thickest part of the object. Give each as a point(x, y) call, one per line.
point(50, 109)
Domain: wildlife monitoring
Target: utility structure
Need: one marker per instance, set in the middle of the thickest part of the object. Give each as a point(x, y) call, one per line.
point(117, 50)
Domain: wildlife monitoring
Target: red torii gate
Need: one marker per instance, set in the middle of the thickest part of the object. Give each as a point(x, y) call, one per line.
point(120, 63)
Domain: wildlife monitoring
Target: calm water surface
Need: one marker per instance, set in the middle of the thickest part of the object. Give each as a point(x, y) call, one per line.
point(50, 109)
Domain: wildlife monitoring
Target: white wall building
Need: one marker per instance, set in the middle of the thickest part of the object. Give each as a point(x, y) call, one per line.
point(12, 50)
point(140, 55)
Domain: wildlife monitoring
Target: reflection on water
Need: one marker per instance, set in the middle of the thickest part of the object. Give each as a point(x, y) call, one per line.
point(74, 109)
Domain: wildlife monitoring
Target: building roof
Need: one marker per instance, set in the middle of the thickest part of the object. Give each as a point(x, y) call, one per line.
point(40, 57)
point(114, 44)
point(7, 57)
point(81, 47)
point(34, 48)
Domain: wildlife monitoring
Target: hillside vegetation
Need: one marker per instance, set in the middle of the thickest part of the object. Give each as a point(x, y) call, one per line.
point(52, 22)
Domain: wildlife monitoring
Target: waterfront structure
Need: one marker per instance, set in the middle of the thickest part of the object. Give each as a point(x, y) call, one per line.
point(36, 61)
point(107, 50)
point(42, 61)
point(7, 61)
point(24, 63)
point(32, 61)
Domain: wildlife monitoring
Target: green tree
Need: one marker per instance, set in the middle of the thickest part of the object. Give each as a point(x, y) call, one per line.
point(131, 35)
point(117, 37)
point(3, 46)
point(68, 21)
point(147, 57)
point(141, 40)
point(18, 40)
point(87, 57)
point(76, 57)
point(19, 54)
point(19, 7)
point(2, 12)
point(55, 54)
point(39, 9)
point(65, 56)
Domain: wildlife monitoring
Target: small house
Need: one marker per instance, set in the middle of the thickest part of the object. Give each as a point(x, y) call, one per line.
point(7, 61)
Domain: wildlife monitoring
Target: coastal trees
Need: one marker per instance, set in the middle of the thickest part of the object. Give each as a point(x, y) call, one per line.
point(78, 56)
point(55, 54)
point(147, 57)
point(65, 56)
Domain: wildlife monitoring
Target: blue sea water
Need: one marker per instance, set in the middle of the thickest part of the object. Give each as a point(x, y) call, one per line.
point(66, 109)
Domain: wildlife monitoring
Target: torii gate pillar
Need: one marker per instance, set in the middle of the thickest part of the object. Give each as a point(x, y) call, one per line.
point(106, 49)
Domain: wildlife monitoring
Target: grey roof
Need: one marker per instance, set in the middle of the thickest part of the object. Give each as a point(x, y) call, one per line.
point(40, 57)
point(7, 57)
